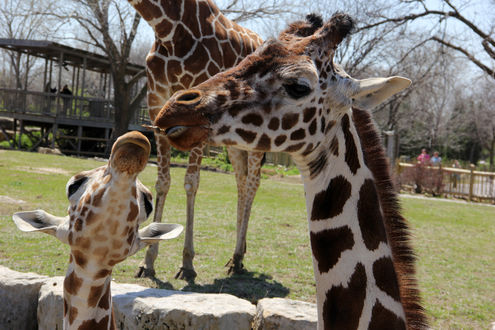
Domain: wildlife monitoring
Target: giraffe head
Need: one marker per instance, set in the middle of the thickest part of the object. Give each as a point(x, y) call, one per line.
point(106, 206)
point(283, 97)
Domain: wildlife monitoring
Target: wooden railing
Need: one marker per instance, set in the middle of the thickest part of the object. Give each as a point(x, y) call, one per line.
point(62, 106)
point(447, 181)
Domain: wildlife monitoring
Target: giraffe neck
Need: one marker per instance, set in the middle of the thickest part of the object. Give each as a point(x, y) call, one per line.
point(192, 17)
point(87, 298)
point(356, 282)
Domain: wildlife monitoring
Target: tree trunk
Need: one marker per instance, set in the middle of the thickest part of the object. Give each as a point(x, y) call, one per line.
point(492, 151)
point(123, 113)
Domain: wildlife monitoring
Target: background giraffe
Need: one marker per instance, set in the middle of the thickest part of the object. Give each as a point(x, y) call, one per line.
point(106, 206)
point(194, 41)
point(306, 105)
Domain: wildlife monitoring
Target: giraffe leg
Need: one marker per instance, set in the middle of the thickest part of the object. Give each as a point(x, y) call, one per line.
point(191, 183)
point(239, 160)
point(162, 185)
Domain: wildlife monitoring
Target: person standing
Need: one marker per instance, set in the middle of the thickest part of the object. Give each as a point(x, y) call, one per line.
point(66, 98)
point(436, 160)
point(423, 157)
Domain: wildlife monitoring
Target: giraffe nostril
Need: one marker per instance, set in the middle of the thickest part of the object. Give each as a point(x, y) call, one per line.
point(189, 97)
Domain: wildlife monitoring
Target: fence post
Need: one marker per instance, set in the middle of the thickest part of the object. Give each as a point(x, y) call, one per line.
point(471, 182)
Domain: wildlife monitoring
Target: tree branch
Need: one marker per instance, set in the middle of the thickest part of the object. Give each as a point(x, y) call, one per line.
point(471, 57)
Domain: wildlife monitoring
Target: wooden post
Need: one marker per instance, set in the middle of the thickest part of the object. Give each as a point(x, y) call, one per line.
point(14, 128)
point(471, 182)
point(54, 134)
point(79, 136)
point(21, 129)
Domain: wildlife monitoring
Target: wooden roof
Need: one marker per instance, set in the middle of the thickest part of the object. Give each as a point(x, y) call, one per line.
point(71, 56)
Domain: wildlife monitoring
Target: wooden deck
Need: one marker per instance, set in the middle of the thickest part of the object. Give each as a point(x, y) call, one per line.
point(77, 125)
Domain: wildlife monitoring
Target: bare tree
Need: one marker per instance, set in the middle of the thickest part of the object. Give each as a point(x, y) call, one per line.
point(484, 117)
point(17, 21)
point(110, 27)
point(483, 33)
point(242, 10)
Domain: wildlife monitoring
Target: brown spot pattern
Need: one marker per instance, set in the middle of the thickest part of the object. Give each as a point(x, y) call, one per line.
point(93, 325)
point(247, 136)
point(102, 273)
point(133, 212)
point(386, 278)
point(334, 146)
point(370, 216)
point(289, 120)
point(66, 307)
point(312, 127)
point(72, 314)
point(80, 258)
point(327, 246)
point(72, 283)
point(298, 135)
point(280, 139)
point(330, 202)
point(104, 302)
point(264, 143)
point(382, 318)
point(317, 165)
point(351, 156)
point(253, 119)
point(78, 225)
point(97, 198)
point(294, 147)
point(224, 129)
point(343, 306)
point(274, 124)
point(94, 295)
point(308, 114)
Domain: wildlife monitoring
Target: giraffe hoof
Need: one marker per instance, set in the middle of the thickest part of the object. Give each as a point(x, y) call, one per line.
point(235, 267)
point(144, 272)
point(186, 274)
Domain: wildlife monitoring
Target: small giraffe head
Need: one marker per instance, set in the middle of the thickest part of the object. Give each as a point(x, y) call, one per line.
point(106, 206)
point(286, 96)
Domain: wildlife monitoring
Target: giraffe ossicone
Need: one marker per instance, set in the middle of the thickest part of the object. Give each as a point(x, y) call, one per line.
point(106, 207)
point(290, 96)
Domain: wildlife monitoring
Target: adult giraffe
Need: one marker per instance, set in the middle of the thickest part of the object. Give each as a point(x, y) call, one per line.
point(194, 41)
point(106, 206)
point(302, 103)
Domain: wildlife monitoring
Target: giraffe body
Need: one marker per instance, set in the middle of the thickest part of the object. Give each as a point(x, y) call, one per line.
point(106, 206)
point(290, 96)
point(194, 41)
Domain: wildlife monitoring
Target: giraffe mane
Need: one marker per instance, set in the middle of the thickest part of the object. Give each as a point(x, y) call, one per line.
point(395, 225)
point(303, 28)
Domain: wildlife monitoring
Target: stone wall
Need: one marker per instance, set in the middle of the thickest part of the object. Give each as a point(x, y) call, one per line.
point(30, 300)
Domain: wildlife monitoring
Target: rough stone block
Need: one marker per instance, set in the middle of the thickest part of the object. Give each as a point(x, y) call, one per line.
point(278, 313)
point(19, 298)
point(137, 307)
point(51, 304)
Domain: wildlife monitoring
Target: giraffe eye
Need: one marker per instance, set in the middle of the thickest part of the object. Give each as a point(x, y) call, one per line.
point(296, 90)
point(75, 186)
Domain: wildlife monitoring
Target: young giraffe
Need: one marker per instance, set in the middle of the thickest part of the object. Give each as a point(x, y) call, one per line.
point(107, 205)
point(299, 101)
point(194, 41)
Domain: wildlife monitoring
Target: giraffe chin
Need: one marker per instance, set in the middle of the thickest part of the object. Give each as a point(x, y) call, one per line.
point(188, 138)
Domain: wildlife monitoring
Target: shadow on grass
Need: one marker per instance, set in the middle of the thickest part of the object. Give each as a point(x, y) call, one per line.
point(251, 286)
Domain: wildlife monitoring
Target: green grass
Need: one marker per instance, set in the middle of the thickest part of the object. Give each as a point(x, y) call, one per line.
point(454, 241)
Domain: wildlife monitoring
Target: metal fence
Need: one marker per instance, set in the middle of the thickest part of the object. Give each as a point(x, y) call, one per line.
point(447, 181)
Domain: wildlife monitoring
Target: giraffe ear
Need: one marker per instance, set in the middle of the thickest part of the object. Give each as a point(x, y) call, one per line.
point(41, 221)
point(371, 92)
point(156, 232)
